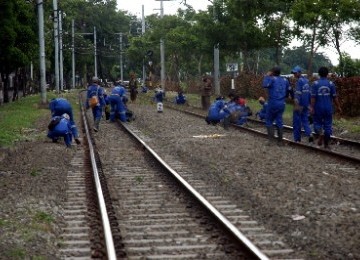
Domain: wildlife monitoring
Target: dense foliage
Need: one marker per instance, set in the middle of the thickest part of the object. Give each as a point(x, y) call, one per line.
point(254, 34)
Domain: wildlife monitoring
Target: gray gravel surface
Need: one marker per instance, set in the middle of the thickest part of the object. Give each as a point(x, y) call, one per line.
point(309, 199)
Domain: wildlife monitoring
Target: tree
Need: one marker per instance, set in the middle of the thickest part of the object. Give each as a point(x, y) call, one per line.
point(19, 43)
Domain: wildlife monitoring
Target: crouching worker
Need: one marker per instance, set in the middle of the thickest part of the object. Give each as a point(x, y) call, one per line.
point(117, 106)
point(129, 114)
point(60, 106)
point(60, 126)
point(180, 99)
point(216, 111)
point(261, 114)
point(239, 112)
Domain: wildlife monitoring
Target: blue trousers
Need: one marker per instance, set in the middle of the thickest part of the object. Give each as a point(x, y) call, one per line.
point(301, 119)
point(117, 107)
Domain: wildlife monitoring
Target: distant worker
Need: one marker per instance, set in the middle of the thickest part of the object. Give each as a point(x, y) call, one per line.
point(180, 98)
point(60, 126)
point(261, 114)
point(206, 93)
point(95, 101)
point(216, 112)
point(323, 93)
point(159, 97)
point(302, 99)
point(117, 106)
point(133, 85)
point(60, 106)
point(278, 90)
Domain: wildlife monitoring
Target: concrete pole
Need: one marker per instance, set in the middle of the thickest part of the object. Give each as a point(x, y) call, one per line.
point(61, 65)
point(95, 59)
point(216, 69)
point(42, 50)
point(56, 45)
point(121, 58)
point(142, 32)
point(162, 52)
point(73, 52)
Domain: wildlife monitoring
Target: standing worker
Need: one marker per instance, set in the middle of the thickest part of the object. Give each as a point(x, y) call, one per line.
point(278, 90)
point(133, 87)
point(95, 101)
point(159, 97)
point(302, 99)
point(323, 93)
point(206, 93)
point(60, 106)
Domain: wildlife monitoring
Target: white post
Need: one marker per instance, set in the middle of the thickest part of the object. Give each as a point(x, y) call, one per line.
point(56, 45)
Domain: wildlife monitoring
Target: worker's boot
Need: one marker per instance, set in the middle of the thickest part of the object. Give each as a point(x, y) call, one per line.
point(320, 140)
point(96, 125)
point(326, 141)
point(270, 132)
point(280, 136)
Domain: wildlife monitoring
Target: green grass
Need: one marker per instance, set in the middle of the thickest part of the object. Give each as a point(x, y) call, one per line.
point(17, 118)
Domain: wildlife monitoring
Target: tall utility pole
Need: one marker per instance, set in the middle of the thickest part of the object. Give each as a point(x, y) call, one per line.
point(95, 60)
point(121, 56)
point(73, 52)
point(56, 47)
point(142, 33)
point(40, 8)
point(61, 65)
point(162, 49)
point(216, 56)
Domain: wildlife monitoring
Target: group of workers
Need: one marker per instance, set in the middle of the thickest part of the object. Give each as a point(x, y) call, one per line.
point(62, 124)
point(315, 101)
point(311, 102)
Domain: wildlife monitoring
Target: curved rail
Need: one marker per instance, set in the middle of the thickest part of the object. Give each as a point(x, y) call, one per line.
point(111, 254)
point(234, 231)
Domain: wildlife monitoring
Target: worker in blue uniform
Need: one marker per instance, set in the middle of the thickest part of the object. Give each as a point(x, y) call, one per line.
point(95, 90)
point(302, 97)
point(180, 98)
point(216, 111)
point(63, 128)
point(323, 93)
point(60, 106)
point(158, 98)
point(278, 90)
point(117, 106)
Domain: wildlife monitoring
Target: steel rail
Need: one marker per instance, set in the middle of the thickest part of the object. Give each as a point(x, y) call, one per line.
point(110, 248)
point(325, 151)
point(234, 231)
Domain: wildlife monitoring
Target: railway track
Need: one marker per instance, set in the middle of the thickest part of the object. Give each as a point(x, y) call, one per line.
point(340, 147)
point(155, 209)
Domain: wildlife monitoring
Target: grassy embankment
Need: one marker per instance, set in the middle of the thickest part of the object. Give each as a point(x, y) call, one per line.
point(18, 119)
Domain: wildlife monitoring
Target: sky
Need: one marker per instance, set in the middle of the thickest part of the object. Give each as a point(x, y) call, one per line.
point(170, 7)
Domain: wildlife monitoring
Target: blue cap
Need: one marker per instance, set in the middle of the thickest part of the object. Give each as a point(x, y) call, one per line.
point(296, 69)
